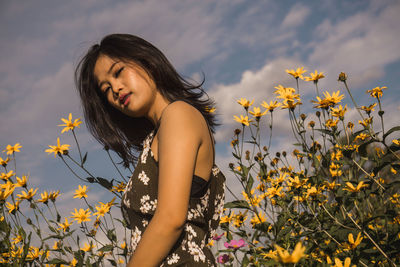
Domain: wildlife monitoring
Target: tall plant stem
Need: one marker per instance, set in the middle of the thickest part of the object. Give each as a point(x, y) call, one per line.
point(352, 99)
point(77, 144)
point(108, 153)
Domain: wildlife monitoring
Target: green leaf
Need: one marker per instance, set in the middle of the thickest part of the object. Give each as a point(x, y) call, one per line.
point(106, 248)
point(394, 129)
point(241, 204)
point(249, 183)
point(105, 183)
point(113, 263)
point(57, 261)
point(84, 159)
point(236, 156)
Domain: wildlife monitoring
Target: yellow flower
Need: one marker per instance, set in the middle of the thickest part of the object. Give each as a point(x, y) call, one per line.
point(12, 208)
point(65, 226)
point(296, 182)
point(312, 191)
point(6, 190)
point(339, 263)
point(21, 181)
point(285, 257)
point(33, 253)
point(335, 170)
point(53, 195)
point(396, 142)
point(339, 111)
point(45, 197)
point(17, 239)
point(243, 120)
point(27, 195)
point(290, 104)
point(353, 244)
point(350, 125)
point(68, 124)
point(226, 219)
point(377, 92)
point(315, 76)
point(350, 187)
point(81, 215)
point(245, 103)
point(361, 136)
point(62, 149)
point(297, 73)
point(4, 162)
point(274, 191)
point(87, 247)
point(102, 210)
point(332, 185)
point(56, 245)
point(331, 123)
point(368, 109)
point(74, 262)
point(271, 106)
point(80, 192)
point(239, 219)
point(11, 149)
point(119, 188)
point(209, 110)
point(258, 219)
point(329, 100)
point(8, 175)
point(257, 113)
point(286, 93)
point(366, 122)
point(123, 245)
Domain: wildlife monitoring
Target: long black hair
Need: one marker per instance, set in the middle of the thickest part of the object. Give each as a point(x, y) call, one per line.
point(113, 129)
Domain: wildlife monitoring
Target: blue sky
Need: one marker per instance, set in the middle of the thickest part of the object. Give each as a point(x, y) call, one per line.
point(242, 47)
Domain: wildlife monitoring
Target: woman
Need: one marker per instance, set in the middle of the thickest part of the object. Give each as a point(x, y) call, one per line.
point(133, 99)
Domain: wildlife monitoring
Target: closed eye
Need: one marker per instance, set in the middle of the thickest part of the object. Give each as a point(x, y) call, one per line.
point(118, 72)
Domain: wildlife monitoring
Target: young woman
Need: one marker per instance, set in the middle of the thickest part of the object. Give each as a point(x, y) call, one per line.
point(134, 100)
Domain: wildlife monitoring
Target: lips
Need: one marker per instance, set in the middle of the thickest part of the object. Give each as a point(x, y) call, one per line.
point(124, 98)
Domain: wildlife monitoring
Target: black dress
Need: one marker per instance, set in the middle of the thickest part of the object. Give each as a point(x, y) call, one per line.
point(206, 203)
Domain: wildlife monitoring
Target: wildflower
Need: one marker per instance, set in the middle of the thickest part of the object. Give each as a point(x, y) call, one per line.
point(296, 182)
point(234, 142)
point(243, 120)
point(209, 110)
point(290, 104)
point(123, 245)
point(56, 245)
point(350, 187)
point(314, 76)
point(45, 197)
point(286, 93)
point(298, 73)
point(21, 181)
point(396, 142)
point(350, 125)
point(33, 253)
point(253, 199)
point(62, 149)
point(68, 124)
point(4, 162)
point(271, 106)
point(224, 258)
point(17, 239)
point(258, 219)
point(64, 226)
point(217, 237)
point(331, 123)
point(87, 247)
point(235, 244)
point(12, 208)
point(365, 122)
point(119, 188)
point(80, 192)
point(6, 190)
point(377, 92)
point(226, 219)
point(239, 219)
point(346, 263)
point(335, 170)
point(53, 195)
point(27, 195)
point(74, 262)
point(342, 77)
point(353, 244)
point(102, 210)
point(368, 109)
point(311, 124)
point(285, 257)
point(8, 175)
point(257, 113)
point(332, 185)
point(361, 136)
point(312, 191)
point(329, 100)
point(245, 103)
point(12, 149)
point(337, 155)
point(81, 215)
point(339, 111)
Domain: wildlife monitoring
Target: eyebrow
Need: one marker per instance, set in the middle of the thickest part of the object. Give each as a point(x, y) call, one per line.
point(108, 72)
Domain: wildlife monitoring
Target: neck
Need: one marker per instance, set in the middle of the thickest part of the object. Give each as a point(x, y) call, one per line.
point(156, 111)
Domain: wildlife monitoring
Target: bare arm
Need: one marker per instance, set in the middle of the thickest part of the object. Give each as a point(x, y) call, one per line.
point(178, 144)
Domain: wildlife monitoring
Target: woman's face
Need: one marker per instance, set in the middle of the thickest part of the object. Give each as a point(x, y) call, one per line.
point(126, 86)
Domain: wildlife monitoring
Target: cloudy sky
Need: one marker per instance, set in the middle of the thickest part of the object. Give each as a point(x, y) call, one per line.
point(242, 47)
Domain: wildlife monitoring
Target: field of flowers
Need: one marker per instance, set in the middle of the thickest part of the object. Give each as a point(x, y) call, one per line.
point(333, 200)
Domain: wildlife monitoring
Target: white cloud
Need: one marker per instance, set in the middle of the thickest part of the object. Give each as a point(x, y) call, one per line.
point(296, 16)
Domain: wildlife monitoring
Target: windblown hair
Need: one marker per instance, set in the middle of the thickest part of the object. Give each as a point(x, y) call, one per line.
point(110, 127)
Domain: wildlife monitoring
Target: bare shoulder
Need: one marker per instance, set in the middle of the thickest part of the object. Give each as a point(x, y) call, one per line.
point(182, 115)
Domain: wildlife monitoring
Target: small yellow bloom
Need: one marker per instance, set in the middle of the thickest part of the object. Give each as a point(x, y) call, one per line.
point(209, 110)
point(396, 142)
point(366, 122)
point(27, 195)
point(17, 239)
point(53, 195)
point(243, 120)
point(339, 111)
point(368, 109)
point(123, 245)
point(45, 197)
point(285, 257)
point(361, 136)
point(335, 169)
point(68, 124)
point(350, 187)
point(102, 210)
point(331, 123)
point(329, 100)
point(257, 112)
point(245, 103)
point(226, 219)
point(12, 208)
point(298, 73)
point(33, 253)
point(271, 106)
point(6, 190)
point(377, 92)
point(21, 181)
point(81, 215)
point(315, 76)
point(354, 244)
point(119, 188)
point(8, 175)
point(74, 262)
point(87, 247)
point(258, 219)
point(56, 245)
point(4, 162)
point(64, 226)
point(346, 263)
point(62, 149)
point(80, 192)
point(12, 149)
point(239, 219)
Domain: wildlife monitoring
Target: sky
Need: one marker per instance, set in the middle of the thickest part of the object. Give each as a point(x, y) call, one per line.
point(241, 47)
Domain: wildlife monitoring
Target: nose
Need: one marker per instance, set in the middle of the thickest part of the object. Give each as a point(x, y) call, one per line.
point(116, 89)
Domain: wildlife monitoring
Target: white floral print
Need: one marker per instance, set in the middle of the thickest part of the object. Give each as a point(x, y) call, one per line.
point(143, 177)
point(136, 236)
point(174, 258)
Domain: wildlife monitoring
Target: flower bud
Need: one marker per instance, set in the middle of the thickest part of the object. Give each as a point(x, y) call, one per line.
point(318, 113)
point(303, 116)
point(237, 131)
point(311, 124)
point(284, 153)
point(265, 148)
point(231, 165)
point(278, 154)
point(342, 77)
point(247, 155)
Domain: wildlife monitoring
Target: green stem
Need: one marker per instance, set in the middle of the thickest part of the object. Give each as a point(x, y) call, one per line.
point(77, 144)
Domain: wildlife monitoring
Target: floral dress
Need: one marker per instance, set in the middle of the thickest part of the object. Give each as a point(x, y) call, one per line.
point(139, 203)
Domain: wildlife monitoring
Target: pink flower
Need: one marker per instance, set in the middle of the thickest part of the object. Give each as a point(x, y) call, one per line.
point(223, 258)
point(217, 237)
point(235, 244)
